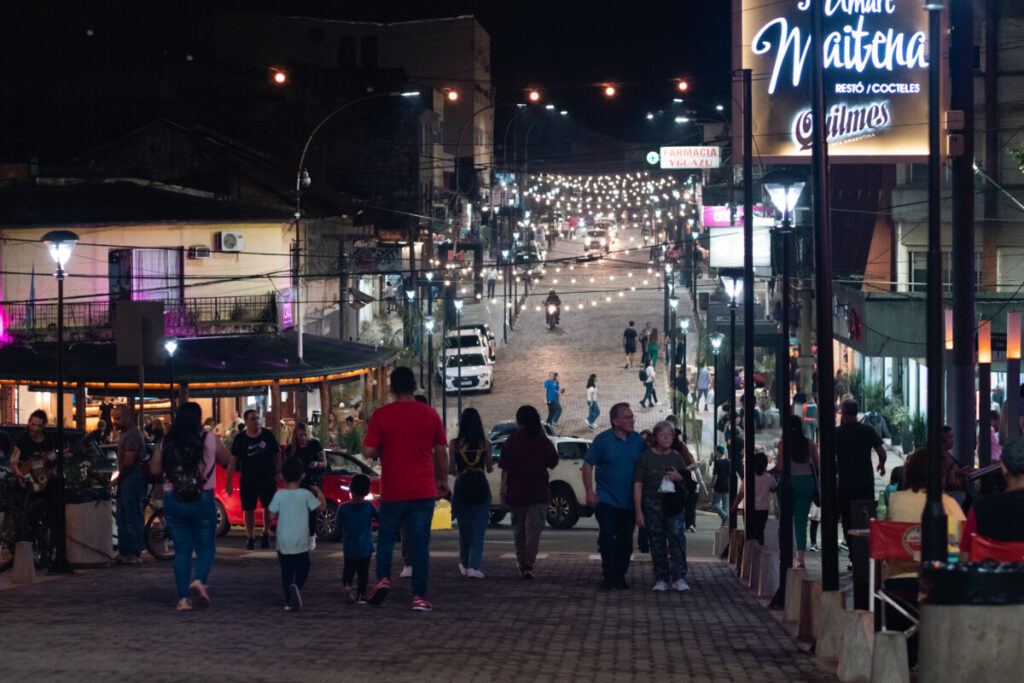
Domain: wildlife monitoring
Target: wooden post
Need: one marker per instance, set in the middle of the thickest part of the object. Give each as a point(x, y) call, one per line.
point(80, 406)
point(325, 401)
point(275, 407)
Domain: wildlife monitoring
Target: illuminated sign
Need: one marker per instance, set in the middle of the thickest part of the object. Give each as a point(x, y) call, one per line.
point(724, 216)
point(691, 157)
point(653, 158)
point(875, 64)
point(727, 246)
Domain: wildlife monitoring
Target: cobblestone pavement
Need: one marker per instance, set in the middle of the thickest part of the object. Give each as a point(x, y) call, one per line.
point(107, 624)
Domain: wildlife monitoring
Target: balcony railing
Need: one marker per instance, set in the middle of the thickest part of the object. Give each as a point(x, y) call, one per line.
point(194, 317)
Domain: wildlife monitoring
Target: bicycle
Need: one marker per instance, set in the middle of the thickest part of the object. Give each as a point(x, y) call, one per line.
point(157, 533)
point(23, 517)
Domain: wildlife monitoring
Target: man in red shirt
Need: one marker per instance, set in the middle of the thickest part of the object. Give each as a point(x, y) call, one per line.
point(410, 441)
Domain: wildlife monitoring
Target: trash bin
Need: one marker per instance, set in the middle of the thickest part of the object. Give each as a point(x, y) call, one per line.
point(89, 530)
point(980, 608)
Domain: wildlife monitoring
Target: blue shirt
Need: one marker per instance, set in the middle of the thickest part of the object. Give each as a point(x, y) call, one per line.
point(614, 459)
point(552, 389)
point(292, 507)
point(356, 522)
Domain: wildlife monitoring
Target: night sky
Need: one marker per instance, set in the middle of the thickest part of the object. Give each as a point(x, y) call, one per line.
point(568, 49)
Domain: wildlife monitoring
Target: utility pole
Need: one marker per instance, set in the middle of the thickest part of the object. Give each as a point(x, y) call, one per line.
point(961, 71)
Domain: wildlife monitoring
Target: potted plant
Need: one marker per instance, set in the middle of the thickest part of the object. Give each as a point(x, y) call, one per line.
point(919, 430)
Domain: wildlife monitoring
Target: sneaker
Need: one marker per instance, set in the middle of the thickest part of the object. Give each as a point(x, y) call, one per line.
point(348, 594)
point(287, 608)
point(184, 605)
point(250, 544)
point(692, 528)
point(527, 574)
point(312, 543)
point(660, 586)
point(475, 573)
point(681, 585)
point(197, 590)
point(361, 599)
point(265, 540)
point(813, 548)
point(294, 597)
point(421, 605)
point(845, 548)
point(406, 572)
point(462, 570)
point(379, 592)
point(592, 425)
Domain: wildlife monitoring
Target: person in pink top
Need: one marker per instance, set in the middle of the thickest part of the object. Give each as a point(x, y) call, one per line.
point(410, 441)
point(764, 485)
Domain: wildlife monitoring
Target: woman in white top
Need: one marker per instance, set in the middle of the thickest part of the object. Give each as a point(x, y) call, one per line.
point(593, 410)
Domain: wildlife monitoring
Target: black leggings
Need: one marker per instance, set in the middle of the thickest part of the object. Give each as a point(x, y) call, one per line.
point(294, 569)
point(814, 532)
point(756, 521)
point(356, 566)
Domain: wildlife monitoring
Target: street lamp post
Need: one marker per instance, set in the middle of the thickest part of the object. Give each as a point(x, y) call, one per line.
point(458, 340)
point(668, 293)
point(784, 188)
point(673, 304)
point(716, 348)
point(170, 346)
point(733, 288)
point(60, 244)
point(504, 290)
point(303, 180)
point(429, 323)
point(411, 295)
point(684, 325)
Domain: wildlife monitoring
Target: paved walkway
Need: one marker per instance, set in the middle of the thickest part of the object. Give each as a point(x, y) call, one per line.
point(105, 624)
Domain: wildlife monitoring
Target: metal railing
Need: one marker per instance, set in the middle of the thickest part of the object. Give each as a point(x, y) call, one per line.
point(193, 317)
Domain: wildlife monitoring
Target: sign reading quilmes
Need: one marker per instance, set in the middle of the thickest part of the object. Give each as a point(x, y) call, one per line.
point(875, 65)
point(690, 157)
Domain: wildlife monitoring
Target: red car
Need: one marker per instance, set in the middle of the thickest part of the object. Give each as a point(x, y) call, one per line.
point(340, 470)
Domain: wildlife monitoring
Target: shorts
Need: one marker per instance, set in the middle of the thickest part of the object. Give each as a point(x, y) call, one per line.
point(630, 348)
point(262, 490)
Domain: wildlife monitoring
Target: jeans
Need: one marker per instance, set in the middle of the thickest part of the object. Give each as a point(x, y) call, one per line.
point(490, 288)
point(691, 510)
point(527, 523)
point(649, 393)
point(593, 413)
point(803, 490)
point(412, 518)
point(615, 539)
point(473, 521)
point(131, 497)
point(554, 411)
point(356, 567)
point(192, 526)
point(720, 504)
point(704, 393)
point(668, 541)
point(294, 569)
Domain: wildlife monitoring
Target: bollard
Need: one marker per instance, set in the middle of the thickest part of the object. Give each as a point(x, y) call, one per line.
point(810, 597)
point(855, 650)
point(889, 658)
point(771, 534)
point(721, 541)
point(794, 579)
point(990, 633)
point(829, 629)
point(751, 554)
point(24, 569)
point(768, 577)
point(735, 546)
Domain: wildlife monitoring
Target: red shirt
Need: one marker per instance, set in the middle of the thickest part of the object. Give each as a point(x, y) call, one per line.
point(405, 434)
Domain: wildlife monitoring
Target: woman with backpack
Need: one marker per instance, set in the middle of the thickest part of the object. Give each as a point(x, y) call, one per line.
point(471, 499)
point(647, 377)
point(186, 460)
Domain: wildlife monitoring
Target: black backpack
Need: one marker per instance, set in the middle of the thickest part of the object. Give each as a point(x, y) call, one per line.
point(183, 473)
point(643, 376)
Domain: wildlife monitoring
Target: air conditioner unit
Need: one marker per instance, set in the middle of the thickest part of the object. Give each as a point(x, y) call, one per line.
point(231, 241)
point(198, 251)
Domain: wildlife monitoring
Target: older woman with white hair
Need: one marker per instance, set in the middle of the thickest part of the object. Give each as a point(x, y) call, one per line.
point(659, 497)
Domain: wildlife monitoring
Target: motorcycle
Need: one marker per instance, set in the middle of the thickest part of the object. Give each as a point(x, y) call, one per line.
point(552, 316)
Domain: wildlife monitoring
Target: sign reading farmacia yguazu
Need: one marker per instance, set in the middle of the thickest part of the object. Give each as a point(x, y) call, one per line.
point(875, 65)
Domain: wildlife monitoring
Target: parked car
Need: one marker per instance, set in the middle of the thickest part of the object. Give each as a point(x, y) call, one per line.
point(529, 260)
point(335, 483)
point(475, 373)
point(568, 497)
point(470, 339)
point(485, 331)
point(500, 431)
point(597, 238)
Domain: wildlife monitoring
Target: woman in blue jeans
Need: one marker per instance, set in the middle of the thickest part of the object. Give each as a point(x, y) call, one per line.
point(593, 412)
point(471, 499)
point(186, 453)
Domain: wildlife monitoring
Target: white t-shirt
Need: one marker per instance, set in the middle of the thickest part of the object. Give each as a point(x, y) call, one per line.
point(591, 394)
point(292, 507)
point(650, 373)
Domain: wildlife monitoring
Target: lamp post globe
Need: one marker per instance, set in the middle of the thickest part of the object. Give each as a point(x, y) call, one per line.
point(458, 341)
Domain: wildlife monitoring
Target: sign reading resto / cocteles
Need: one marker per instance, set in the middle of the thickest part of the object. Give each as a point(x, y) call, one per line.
point(875, 64)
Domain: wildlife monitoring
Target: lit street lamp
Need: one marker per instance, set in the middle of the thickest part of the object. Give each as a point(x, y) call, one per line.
point(170, 346)
point(411, 295)
point(458, 340)
point(429, 323)
point(504, 289)
point(60, 244)
point(716, 348)
point(673, 304)
point(733, 288)
point(684, 325)
point(784, 188)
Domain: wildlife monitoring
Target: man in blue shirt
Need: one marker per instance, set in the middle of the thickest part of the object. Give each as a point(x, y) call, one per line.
point(614, 452)
point(552, 390)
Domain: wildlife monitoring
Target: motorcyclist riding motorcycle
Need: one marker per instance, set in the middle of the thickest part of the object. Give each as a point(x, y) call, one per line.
point(554, 308)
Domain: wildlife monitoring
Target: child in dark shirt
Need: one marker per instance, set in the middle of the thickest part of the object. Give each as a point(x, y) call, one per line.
point(355, 519)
